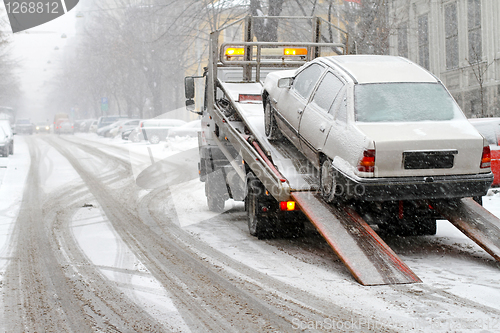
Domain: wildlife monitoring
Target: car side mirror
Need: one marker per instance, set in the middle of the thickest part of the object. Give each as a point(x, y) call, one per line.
point(285, 82)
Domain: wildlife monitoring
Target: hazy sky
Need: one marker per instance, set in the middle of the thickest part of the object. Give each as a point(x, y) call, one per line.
point(34, 49)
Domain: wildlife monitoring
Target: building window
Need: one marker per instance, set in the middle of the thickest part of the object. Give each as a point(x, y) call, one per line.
point(423, 41)
point(403, 40)
point(451, 35)
point(474, 27)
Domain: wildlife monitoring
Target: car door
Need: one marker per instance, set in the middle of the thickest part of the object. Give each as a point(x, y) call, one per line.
point(293, 101)
point(317, 118)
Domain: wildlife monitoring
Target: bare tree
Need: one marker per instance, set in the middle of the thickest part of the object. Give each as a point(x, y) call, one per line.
point(479, 70)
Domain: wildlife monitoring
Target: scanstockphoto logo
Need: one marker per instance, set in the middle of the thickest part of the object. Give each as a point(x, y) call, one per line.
point(26, 14)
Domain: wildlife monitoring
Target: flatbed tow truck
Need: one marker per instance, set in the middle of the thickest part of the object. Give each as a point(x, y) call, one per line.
point(276, 182)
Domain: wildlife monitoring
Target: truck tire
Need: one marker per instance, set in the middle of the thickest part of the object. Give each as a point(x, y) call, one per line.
point(215, 195)
point(270, 127)
point(259, 221)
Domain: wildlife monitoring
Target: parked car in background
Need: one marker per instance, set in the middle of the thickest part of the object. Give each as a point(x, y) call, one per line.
point(156, 130)
point(380, 124)
point(136, 134)
point(93, 126)
point(191, 129)
point(23, 126)
point(124, 126)
point(105, 130)
point(42, 127)
point(126, 133)
point(85, 125)
point(6, 126)
point(490, 129)
point(4, 143)
point(108, 120)
point(66, 128)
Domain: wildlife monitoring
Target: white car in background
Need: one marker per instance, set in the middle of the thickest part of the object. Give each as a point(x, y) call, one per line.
point(6, 126)
point(190, 129)
point(377, 128)
point(4, 143)
point(123, 126)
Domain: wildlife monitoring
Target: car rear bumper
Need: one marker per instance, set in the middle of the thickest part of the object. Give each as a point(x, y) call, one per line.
point(414, 188)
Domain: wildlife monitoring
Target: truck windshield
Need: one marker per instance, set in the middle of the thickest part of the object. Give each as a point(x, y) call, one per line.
point(404, 102)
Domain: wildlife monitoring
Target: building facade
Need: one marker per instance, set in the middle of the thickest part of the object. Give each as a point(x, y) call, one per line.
point(458, 41)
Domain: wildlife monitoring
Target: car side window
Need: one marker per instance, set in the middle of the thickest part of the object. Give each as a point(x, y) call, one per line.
point(341, 108)
point(305, 81)
point(327, 91)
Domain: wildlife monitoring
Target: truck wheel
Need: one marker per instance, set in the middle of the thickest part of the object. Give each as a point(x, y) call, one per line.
point(154, 139)
point(270, 127)
point(215, 197)
point(259, 222)
point(327, 180)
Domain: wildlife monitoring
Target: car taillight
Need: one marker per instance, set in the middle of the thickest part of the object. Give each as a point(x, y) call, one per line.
point(367, 162)
point(486, 158)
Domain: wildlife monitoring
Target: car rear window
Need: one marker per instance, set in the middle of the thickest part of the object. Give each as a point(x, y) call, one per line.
point(404, 102)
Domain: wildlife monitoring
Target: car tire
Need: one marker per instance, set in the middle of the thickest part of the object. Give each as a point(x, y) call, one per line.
point(11, 150)
point(270, 127)
point(5, 152)
point(328, 181)
point(154, 139)
point(260, 223)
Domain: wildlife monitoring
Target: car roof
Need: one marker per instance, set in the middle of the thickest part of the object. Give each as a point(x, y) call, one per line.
point(380, 69)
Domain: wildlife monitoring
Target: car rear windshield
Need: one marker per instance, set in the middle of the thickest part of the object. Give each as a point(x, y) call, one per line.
point(404, 102)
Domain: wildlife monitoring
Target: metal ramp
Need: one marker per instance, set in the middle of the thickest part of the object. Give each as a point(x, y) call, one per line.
point(474, 221)
point(369, 259)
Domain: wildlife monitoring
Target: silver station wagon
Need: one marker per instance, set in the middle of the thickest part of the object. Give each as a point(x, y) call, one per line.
point(377, 128)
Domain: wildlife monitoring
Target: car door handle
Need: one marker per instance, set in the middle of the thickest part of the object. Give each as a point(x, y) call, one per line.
point(300, 111)
point(322, 128)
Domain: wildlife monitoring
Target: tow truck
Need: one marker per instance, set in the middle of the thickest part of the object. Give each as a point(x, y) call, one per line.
point(277, 183)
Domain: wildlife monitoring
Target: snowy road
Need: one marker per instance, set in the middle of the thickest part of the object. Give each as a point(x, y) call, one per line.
point(84, 248)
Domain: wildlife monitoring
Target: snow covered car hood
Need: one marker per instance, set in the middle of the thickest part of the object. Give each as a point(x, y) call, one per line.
point(393, 141)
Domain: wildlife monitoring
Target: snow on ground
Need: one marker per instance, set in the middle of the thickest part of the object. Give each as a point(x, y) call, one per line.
point(93, 232)
point(470, 273)
point(106, 250)
point(13, 172)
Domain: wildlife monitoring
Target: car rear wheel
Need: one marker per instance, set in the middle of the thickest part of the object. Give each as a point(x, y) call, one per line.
point(258, 219)
point(328, 180)
point(11, 150)
point(154, 139)
point(270, 127)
